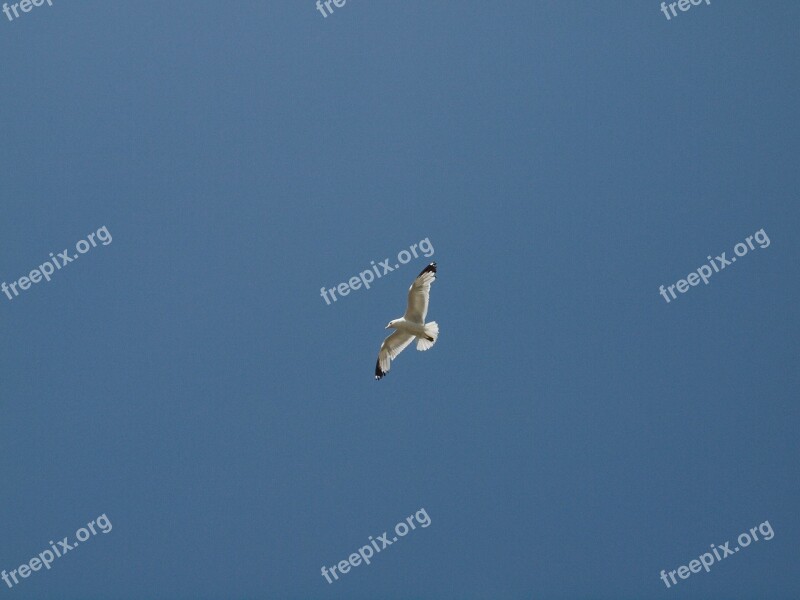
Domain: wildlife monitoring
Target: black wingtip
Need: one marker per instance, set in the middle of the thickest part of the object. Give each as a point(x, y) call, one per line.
point(431, 268)
point(378, 372)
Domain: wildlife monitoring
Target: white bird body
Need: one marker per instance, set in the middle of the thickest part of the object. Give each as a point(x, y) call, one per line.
point(415, 329)
point(412, 324)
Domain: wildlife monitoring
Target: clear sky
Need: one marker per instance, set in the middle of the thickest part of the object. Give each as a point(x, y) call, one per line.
point(571, 433)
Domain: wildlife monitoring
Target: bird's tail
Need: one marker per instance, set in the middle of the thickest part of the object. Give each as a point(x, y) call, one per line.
point(432, 332)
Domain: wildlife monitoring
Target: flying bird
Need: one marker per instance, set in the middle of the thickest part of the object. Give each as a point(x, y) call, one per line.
point(411, 325)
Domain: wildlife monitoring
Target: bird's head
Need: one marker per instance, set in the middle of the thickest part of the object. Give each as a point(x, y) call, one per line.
point(391, 325)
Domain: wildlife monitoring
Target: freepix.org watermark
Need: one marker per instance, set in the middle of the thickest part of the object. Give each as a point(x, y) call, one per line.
point(683, 5)
point(323, 4)
point(25, 6)
point(57, 262)
point(382, 268)
point(704, 561)
point(365, 553)
point(719, 263)
point(46, 557)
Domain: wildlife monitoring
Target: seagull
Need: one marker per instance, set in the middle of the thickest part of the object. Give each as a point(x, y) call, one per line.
point(411, 325)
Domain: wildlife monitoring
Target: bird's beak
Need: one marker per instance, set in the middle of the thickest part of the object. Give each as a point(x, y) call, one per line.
point(387, 327)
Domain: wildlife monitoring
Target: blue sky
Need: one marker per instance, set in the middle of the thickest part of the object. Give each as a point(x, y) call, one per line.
point(570, 435)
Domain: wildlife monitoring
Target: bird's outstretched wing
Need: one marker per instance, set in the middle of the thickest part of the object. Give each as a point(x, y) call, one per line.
point(390, 348)
point(419, 295)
